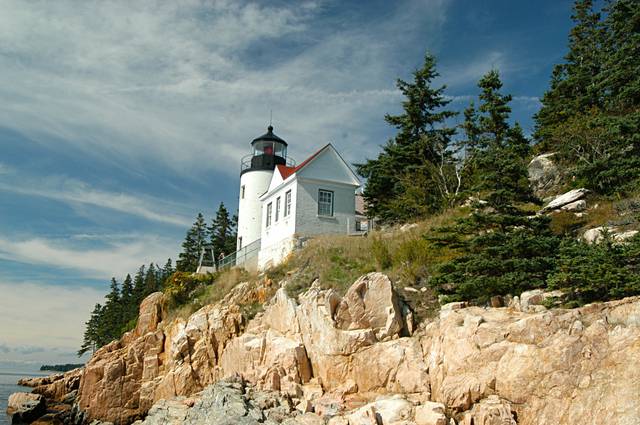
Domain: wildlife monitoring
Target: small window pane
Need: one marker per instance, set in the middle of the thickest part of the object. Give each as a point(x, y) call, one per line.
point(325, 203)
point(287, 203)
point(269, 208)
point(277, 208)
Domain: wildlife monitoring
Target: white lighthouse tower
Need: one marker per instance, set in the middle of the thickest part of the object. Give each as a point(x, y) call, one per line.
point(256, 170)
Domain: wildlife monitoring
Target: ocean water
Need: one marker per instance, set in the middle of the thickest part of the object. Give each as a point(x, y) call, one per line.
point(8, 379)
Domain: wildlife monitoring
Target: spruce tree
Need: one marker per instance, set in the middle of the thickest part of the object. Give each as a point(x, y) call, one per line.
point(574, 84)
point(151, 283)
point(498, 249)
point(222, 231)
point(138, 285)
point(420, 147)
point(92, 339)
point(128, 301)
point(112, 324)
point(167, 270)
point(194, 241)
point(620, 76)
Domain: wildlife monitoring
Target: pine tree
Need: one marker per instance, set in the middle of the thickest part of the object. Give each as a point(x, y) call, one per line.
point(222, 231)
point(498, 248)
point(420, 147)
point(192, 246)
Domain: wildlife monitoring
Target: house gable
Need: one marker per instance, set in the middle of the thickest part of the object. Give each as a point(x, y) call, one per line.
point(328, 165)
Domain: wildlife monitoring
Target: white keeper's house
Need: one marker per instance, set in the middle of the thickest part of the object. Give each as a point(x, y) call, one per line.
point(281, 204)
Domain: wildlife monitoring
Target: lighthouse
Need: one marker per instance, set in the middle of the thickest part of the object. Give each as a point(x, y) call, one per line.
point(256, 170)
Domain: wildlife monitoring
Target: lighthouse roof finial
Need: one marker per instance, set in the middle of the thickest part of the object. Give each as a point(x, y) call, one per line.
point(269, 136)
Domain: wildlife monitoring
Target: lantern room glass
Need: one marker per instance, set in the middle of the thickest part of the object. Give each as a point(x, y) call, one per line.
point(269, 148)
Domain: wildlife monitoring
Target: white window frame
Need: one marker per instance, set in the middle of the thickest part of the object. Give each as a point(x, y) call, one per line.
point(323, 203)
point(287, 203)
point(269, 209)
point(277, 209)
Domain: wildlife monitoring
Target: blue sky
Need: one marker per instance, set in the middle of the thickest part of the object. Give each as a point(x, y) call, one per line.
point(121, 120)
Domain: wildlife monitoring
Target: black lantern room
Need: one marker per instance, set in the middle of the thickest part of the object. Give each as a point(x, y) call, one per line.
point(269, 150)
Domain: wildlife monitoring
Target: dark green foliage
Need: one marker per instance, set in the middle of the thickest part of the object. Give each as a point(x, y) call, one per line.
point(597, 272)
point(92, 334)
point(151, 282)
point(418, 154)
point(574, 83)
point(591, 112)
point(61, 367)
point(120, 311)
point(192, 246)
point(499, 248)
point(222, 231)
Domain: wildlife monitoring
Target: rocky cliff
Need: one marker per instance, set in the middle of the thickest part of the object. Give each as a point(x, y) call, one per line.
point(358, 359)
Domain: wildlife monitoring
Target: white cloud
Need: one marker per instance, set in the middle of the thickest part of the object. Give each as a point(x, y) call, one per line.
point(43, 322)
point(114, 258)
point(77, 192)
point(189, 83)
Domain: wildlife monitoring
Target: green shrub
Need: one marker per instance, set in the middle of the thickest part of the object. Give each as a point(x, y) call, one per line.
point(180, 286)
point(597, 272)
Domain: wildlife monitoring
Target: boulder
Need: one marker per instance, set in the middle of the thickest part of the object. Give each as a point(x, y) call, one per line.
point(533, 301)
point(576, 206)
point(544, 174)
point(566, 199)
point(370, 303)
point(430, 413)
point(596, 235)
point(383, 411)
point(25, 407)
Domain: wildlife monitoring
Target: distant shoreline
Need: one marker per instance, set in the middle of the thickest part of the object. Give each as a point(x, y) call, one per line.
point(61, 367)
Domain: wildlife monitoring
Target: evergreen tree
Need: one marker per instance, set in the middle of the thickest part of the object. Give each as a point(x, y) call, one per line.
point(151, 283)
point(591, 113)
point(138, 285)
point(599, 271)
point(112, 322)
point(222, 231)
point(574, 84)
point(128, 301)
point(192, 246)
point(92, 338)
point(420, 147)
point(167, 270)
point(620, 76)
point(498, 248)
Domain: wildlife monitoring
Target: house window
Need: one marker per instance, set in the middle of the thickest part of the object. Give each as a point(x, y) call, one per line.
point(287, 203)
point(277, 208)
point(325, 203)
point(269, 208)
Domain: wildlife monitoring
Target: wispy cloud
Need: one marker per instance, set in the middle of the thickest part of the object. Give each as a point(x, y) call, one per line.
point(53, 316)
point(77, 192)
point(114, 258)
point(188, 83)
